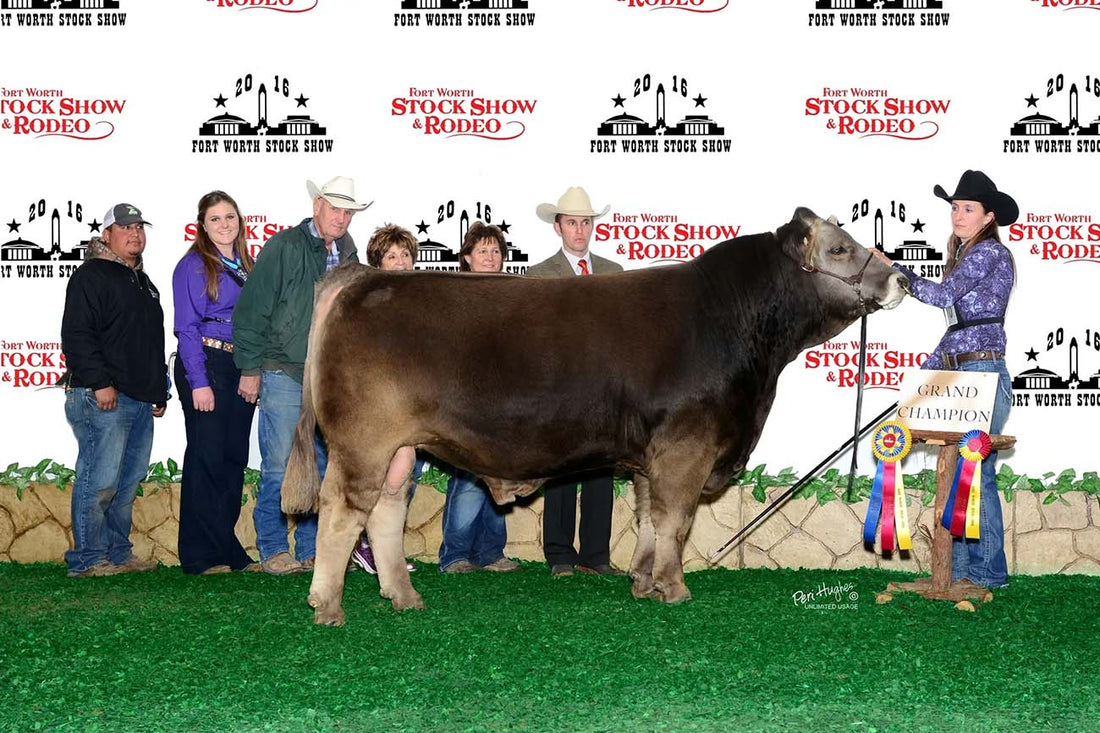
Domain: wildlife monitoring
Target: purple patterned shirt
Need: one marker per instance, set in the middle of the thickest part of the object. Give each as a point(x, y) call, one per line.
point(978, 287)
point(191, 306)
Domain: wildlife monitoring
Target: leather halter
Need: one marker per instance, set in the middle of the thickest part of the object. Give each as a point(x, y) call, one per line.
point(855, 282)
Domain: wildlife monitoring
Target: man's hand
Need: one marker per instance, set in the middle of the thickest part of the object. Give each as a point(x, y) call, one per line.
point(158, 410)
point(106, 398)
point(249, 388)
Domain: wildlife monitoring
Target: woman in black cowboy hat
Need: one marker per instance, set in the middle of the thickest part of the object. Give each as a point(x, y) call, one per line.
point(974, 292)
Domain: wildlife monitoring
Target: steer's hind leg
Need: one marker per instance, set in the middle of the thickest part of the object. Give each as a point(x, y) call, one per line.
point(338, 527)
point(677, 480)
point(386, 530)
point(641, 564)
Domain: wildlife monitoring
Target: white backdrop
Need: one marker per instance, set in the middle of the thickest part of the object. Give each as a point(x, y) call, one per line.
point(951, 93)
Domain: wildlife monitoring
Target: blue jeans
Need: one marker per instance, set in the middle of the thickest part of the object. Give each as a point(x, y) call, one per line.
point(280, 404)
point(473, 526)
point(983, 560)
point(113, 449)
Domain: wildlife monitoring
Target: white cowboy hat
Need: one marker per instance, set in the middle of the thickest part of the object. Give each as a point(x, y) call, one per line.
point(574, 202)
point(340, 192)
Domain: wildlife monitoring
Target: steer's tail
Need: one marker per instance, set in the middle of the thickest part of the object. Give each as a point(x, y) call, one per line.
point(302, 481)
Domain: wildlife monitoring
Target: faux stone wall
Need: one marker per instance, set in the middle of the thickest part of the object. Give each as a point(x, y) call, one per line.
point(1055, 538)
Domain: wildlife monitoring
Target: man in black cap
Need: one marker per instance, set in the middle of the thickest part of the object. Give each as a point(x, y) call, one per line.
point(112, 336)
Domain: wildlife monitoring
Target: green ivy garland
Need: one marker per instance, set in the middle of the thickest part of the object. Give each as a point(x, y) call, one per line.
point(830, 486)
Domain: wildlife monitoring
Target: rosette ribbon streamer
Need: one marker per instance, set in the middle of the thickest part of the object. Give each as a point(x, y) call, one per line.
point(960, 515)
point(891, 442)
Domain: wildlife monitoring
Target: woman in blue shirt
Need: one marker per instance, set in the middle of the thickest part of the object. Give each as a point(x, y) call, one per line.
point(974, 292)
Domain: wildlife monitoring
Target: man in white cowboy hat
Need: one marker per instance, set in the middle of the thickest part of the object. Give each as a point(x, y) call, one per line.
point(573, 219)
point(270, 334)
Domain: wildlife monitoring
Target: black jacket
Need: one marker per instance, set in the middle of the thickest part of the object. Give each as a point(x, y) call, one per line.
point(112, 332)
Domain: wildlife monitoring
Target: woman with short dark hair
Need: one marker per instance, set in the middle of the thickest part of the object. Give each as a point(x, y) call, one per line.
point(474, 532)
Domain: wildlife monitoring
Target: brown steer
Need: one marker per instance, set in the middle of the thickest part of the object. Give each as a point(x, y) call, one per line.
point(669, 372)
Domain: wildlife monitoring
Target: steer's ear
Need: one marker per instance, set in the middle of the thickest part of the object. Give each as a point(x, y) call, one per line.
point(805, 217)
point(833, 220)
point(805, 220)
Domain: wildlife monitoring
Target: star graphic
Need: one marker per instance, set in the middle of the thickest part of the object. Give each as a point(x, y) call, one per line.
point(94, 226)
point(421, 228)
point(700, 101)
point(618, 100)
point(504, 226)
point(1031, 101)
point(918, 226)
point(13, 227)
point(301, 99)
point(219, 101)
point(1032, 355)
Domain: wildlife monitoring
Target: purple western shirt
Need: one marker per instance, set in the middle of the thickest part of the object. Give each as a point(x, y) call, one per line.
point(978, 287)
point(192, 306)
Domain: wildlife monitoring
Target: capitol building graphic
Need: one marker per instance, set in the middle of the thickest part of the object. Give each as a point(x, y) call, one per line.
point(1038, 125)
point(879, 4)
point(227, 125)
point(626, 125)
point(464, 4)
point(909, 251)
point(22, 250)
point(1038, 378)
point(58, 4)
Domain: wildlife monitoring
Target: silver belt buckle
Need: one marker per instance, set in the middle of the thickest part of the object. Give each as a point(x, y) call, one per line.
point(950, 361)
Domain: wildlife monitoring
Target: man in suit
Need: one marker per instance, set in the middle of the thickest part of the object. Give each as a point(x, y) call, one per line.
point(573, 219)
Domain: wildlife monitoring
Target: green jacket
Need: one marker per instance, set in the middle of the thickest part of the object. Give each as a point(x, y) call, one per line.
point(272, 316)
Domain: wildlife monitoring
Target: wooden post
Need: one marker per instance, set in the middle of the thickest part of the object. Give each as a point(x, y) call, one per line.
point(939, 585)
point(941, 537)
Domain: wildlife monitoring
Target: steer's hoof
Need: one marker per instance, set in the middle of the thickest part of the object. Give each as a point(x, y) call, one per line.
point(404, 603)
point(643, 588)
point(329, 617)
point(675, 595)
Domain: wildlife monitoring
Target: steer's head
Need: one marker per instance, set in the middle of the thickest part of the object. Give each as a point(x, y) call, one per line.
point(848, 279)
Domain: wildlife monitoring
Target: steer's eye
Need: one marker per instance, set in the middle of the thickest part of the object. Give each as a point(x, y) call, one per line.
point(836, 251)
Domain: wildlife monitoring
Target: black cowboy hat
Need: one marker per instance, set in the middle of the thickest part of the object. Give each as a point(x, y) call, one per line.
point(977, 186)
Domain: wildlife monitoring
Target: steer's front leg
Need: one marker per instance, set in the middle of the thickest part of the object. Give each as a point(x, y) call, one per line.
point(641, 564)
point(677, 478)
point(338, 527)
point(386, 530)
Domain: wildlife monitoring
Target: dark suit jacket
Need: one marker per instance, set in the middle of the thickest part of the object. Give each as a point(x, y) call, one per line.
point(558, 266)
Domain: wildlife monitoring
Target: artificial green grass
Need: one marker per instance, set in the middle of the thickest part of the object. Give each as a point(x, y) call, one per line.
point(523, 652)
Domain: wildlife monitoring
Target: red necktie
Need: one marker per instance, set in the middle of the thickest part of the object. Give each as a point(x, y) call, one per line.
point(584, 267)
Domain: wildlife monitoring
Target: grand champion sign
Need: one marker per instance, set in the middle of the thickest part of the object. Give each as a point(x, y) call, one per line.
point(948, 400)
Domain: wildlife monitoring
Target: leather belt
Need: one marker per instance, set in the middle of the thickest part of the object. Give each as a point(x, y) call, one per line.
point(226, 346)
point(952, 361)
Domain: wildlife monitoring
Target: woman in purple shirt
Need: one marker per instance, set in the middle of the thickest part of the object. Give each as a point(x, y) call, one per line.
point(205, 287)
point(977, 282)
